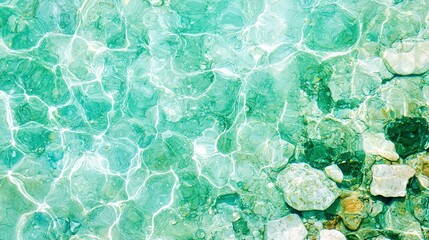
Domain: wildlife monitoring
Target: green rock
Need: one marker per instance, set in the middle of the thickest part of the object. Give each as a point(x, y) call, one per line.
point(95, 110)
point(34, 140)
point(331, 28)
point(226, 142)
point(313, 76)
point(119, 155)
point(159, 156)
point(22, 27)
point(262, 99)
point(156, 193)
point(398, 220)
point(32, 111)
point(142, 95)
point(317, 154)
point(104, 23)
point(193, 197)
point(37, 226)
point(194, 22)
point(10, 156)
point(231, 199)
point(142, 132)
point(324, 100)
point(130, 218)
point(420, 210)
point(190, 57)
point(87, 185)
point(240, 227)
point(352, 165)
point(195, 85)
point(36, 187)
point(222, 99)
point(14, 205)
point(83, 56)
point(409, 134)
point(35, 79)
point(401, 26)
point(103, 217)
point(78, 142)
point(220, 175)
point(67, 118)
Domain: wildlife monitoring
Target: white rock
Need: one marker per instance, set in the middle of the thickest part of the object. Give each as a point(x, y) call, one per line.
point(286, 228)
point(390, 180)
point(326, 234)
point(376, 144)
point(423, 180)
point(156, 2)
point(408, 58)
point(334, 173)
point(306, 188)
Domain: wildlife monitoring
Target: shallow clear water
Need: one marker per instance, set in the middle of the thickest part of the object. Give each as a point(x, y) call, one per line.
point(214, 119)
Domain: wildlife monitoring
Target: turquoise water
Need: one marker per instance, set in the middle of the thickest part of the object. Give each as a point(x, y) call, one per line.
point(214, 119)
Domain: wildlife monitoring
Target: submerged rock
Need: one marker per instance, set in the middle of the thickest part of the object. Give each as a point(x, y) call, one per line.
point(410, 134)
point(326, 234)
point(376, 144)
point(207, 119)
point(408, 58)
point(306, 188)
point(402, 223)
point(317, 154)
point(390, 180)
point(334, 173)
point(352, 204)
point(331, 29)
point(286, 228)
point(352, 211)
point(421, 164)
point(351, 165)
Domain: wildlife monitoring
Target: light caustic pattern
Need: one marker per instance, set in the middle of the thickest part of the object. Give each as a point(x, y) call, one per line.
point(167, 119)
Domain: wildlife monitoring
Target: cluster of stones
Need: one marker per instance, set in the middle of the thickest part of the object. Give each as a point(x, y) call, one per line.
point(220, 119)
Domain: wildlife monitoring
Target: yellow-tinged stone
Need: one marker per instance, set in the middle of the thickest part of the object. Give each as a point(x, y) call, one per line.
point(352, 204)
point(420, 163)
